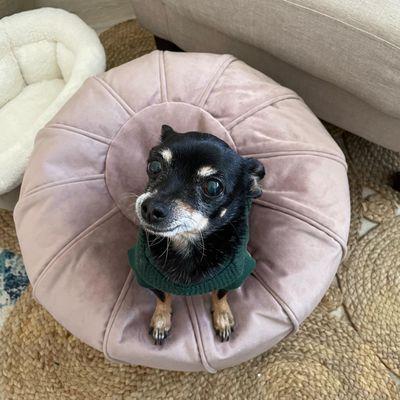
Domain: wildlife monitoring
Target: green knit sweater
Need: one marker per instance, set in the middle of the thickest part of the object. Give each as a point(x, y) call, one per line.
point(229, 276)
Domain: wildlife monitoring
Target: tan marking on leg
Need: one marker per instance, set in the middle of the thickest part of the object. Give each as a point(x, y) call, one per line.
point(160, 324)
point(223, 320)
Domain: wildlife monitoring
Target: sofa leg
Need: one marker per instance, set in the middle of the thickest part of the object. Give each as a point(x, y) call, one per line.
point(396, 181)
point(163, 44)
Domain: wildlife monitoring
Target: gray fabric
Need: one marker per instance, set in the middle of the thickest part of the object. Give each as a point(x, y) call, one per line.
point(341, 58)
point(8, 7)
point(99, 14)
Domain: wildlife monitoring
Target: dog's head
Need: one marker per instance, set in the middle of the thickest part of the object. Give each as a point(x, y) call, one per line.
point(197, 184)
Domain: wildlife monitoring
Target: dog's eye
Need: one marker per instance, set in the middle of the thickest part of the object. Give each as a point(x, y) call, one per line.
point(154, 167)
point(212, 187)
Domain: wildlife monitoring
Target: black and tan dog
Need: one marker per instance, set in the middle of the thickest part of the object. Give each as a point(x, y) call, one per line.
point(193, 213)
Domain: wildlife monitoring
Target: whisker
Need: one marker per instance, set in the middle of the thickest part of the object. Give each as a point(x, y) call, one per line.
point(164, 250)
point(202, 246)
point(147, 237)
point(156, 241)
point(166, 256)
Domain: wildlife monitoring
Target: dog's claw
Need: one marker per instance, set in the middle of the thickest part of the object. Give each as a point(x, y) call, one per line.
point(224, 335)
point(224, 325)
point(160, 328)
point(159, 335)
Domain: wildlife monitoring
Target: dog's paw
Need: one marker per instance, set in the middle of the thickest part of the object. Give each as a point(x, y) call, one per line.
point(160, 327)
point(224, 323)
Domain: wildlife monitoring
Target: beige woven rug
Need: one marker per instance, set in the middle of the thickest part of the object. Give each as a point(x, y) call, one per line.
point(348, 349)
point(8, 240)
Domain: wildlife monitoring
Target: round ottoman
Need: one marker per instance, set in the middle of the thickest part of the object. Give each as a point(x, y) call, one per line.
point(45, 56)
point(75, 218)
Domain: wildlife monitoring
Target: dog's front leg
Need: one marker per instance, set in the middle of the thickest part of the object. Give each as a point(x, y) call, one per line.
point(160, 324)
point(223, 320)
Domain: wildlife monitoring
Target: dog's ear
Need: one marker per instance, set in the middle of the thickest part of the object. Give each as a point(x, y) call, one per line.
point(256, 172)
point(166, 132)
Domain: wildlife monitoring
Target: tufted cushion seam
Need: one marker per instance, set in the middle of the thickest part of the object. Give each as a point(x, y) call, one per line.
point(44, 269)
point(79, 131)
point(259, 107)
point(106, 160)
point(40, 188)
point(308, 220)
point(285, 307)
point(226, 61)
point(197, 332)
point(287, 153)
point(114, 313)
point(162, 76)
point(120, 101)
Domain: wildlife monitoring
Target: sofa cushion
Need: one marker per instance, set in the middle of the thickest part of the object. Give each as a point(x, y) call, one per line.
point(355, 47)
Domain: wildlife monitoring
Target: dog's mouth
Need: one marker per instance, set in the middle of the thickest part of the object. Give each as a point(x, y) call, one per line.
point(167, 232)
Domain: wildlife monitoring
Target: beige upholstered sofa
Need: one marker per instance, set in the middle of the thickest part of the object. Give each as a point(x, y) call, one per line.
point(342, 57)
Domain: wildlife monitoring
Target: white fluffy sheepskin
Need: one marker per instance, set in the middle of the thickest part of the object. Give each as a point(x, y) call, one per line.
point(45, 56)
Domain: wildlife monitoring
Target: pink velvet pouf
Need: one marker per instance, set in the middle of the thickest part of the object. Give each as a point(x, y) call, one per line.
point(75, 218)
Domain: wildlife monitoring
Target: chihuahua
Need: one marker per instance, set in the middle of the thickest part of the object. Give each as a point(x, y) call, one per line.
point(193, 214)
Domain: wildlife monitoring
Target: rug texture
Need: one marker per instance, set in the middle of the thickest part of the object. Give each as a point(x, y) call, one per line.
point(325, 360)
point(347, 349)
point(13, 281)
point(8, 238)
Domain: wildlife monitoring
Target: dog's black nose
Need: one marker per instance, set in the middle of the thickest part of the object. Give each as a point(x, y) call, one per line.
point(154, 211)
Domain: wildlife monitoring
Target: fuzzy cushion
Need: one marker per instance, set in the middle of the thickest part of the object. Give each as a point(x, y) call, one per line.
point(75, 218)
point(45, 55)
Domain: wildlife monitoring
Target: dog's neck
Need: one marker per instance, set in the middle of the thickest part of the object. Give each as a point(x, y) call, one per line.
point(189, 258)
point(183, 244)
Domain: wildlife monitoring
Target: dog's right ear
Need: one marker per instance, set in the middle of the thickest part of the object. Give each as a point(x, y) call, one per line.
point(256, 173)
point(166, 132)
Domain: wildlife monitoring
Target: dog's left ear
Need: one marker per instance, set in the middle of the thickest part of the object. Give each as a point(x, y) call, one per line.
point(166, 132)
point(256, 172)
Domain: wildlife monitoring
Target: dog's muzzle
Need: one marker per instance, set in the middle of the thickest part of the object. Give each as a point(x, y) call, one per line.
point(168, 219)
